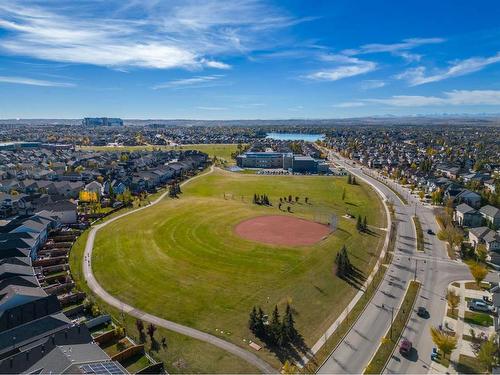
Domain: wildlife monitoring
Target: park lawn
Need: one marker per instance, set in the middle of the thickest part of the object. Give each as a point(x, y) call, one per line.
point(221, 150)
point(183, 354)
point(181, 260)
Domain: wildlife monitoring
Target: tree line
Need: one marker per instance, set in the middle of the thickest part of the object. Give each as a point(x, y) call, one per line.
point(278, 331)
point(261, 200)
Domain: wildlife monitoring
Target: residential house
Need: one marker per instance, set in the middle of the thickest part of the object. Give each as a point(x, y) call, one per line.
point(491, 215)
point(466, 216)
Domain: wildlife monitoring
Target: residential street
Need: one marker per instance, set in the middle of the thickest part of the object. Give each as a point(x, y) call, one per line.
point(434, 270)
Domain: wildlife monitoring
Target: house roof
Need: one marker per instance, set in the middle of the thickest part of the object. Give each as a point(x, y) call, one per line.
point(490, 211)
point(464, 208)
point(480, 232)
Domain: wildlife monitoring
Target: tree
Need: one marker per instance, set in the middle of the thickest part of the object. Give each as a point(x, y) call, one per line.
point(139, 324)
point(481, 253)
point(359, 225)
point(453, 299)
point(275, 325)
point(151, 331)
point(307, 199)
point(289, 324)
point(260, 327)
point(288, 368)
point(296, 199)
point(478, 272)
point(343, 263)
point(252, 320)
point(487, 355)
point(446, 343)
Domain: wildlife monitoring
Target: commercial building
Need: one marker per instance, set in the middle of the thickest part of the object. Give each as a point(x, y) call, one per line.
point(265, 160)
point(283, 160)
point(102, 121)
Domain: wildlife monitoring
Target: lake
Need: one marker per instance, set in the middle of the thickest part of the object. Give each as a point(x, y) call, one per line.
point(295, 136)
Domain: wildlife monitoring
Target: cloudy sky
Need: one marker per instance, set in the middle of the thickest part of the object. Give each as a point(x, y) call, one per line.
point(248, 59)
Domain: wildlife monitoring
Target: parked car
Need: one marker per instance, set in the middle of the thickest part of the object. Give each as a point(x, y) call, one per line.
point(434, 354)
point(430, 231)
point(405, 346)
point(422, 312)
point(477, 305)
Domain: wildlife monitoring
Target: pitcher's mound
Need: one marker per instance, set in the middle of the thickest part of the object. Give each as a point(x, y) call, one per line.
point(282, 230)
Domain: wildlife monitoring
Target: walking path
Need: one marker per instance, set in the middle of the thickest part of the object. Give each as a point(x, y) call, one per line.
point(179, 328)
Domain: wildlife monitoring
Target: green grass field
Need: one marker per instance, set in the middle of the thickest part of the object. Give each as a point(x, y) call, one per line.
point(220, 150)
point(183, 354)
point(181, 260)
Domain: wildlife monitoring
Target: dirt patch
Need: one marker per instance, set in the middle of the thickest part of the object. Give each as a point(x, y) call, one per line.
point(282, 230)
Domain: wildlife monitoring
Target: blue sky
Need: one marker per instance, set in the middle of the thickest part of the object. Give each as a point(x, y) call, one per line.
point(248, 59)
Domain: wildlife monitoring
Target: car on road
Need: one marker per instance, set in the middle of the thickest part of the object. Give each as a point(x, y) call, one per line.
point(405, 346)
point(430, 231)
point(478, 305)
point(422, 312)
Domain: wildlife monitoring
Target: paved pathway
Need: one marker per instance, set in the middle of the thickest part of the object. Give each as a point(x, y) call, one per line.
point(179, 328)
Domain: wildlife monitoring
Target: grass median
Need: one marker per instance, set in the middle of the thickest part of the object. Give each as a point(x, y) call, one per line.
point(388, 344)
point(420, 234)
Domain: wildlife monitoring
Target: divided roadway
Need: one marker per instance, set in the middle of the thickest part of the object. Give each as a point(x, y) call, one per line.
point(432, 268)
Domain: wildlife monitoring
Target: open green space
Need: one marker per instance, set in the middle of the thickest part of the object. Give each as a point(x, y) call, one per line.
point(183, 354)
point(181, 260)
point(388, 345)
point(220, 150)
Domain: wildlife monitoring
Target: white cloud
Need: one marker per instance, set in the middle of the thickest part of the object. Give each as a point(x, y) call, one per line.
point(372, 84)
point(349, 67)
point(34, 82)
point(406, 44)
point(349, 104)
point(160, 35)
point(198, 81)
point(455, 97)
point(417, 76)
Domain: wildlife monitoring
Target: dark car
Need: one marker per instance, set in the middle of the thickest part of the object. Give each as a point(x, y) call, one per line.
point(422, 312)
point(429, 231)
point(405, 347)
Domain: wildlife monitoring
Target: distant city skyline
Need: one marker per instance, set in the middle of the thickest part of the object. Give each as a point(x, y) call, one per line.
point(248, 59)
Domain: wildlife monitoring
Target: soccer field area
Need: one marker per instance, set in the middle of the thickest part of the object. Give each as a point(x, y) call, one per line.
point(182, 260)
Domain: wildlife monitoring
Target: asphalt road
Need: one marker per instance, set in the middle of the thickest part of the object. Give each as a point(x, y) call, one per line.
point(432, 268)
point(185, 330)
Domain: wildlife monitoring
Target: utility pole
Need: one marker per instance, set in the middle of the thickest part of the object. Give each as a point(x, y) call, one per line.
point(416, 264)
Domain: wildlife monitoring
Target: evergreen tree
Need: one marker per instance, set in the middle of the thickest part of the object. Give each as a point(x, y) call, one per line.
point(252, 320)
point(260, 327)
point(359, 225)
point(289, 324)
point(275, 325)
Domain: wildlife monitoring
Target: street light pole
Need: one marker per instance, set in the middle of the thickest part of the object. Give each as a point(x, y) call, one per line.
point(416, 264)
